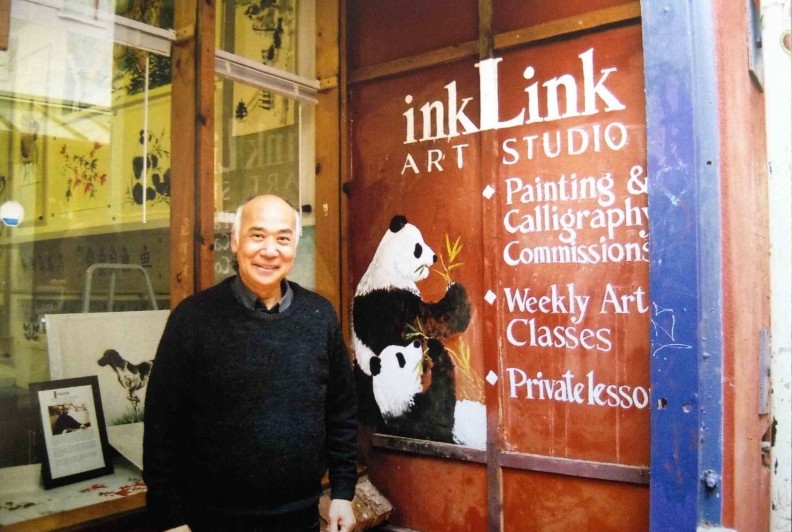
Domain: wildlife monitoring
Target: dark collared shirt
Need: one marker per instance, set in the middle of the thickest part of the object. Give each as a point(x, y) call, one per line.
point(251, 301)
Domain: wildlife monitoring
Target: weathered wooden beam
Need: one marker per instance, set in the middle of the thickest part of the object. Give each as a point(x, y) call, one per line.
point(514, 460)
point(576, 468)
point(204, 145)
point(428, 447)
point(327, 211)
point(192, 153)
point(345, 173)
point(183, 161)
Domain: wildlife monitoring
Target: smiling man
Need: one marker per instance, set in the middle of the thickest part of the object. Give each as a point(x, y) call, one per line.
point(251, 397)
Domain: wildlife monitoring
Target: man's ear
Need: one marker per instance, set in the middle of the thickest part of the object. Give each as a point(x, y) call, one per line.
point(234, 243)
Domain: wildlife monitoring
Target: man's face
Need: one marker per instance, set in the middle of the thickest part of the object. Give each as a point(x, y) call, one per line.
point(266, 246)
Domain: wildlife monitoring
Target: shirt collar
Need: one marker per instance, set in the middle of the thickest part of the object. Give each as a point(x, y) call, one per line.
point(251, 301)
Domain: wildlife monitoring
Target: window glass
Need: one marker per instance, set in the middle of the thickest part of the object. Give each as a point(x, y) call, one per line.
point(158, 13)
point(261, 147)
point(264, 31)
point(85, 166)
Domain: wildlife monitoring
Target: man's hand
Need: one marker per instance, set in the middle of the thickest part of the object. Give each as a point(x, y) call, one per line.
point(341, 517)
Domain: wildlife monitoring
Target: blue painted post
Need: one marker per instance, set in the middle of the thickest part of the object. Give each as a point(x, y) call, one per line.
point(685, 264)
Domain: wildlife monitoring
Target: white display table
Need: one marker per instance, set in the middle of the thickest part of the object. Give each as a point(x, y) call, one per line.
point(23, 497)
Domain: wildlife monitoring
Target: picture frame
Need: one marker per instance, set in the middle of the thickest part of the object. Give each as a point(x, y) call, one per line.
point(73, 436)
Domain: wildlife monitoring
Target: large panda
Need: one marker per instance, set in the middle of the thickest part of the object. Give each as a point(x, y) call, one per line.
point(397, 384)
point(386, 305)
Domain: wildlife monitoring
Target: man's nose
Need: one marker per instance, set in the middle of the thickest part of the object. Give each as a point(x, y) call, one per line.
point(268, 247)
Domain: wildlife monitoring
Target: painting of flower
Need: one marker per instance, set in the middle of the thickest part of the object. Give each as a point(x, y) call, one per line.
point(82, 171)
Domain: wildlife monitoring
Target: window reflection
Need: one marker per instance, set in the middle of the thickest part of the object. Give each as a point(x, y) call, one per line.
point(158, 13)
point(85, 149)
point(263, 31)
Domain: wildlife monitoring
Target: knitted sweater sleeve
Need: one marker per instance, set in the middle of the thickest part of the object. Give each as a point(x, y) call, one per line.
point(341, 420)
point(163, 437)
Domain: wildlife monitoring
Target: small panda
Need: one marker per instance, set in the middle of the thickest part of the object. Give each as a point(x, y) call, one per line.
point(396, 379)
point(386, 304)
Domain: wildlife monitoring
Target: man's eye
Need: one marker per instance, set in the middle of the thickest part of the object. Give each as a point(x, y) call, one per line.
point(284, 240)
point(257, 237)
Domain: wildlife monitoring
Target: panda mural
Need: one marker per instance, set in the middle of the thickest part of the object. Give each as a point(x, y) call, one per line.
point(407, 387)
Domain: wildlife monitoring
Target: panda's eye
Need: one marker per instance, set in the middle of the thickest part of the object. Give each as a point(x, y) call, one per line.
point(418, 251)
point(400, 359)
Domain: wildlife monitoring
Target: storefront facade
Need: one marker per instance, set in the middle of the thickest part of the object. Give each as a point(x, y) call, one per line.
point(530, 217)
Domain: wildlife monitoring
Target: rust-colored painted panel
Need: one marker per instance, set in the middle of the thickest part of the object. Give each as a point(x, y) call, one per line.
point(576, 363)
point(544, 502)
point(511, 15)
point(431, 494)
point(384, 30)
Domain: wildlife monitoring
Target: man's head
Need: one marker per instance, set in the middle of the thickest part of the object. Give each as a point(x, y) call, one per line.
point(264, 237)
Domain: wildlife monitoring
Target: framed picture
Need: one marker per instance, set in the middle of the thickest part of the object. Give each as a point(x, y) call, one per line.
point(73, 433)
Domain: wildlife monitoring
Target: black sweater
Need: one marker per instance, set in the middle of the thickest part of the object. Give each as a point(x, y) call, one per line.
point(246, 410)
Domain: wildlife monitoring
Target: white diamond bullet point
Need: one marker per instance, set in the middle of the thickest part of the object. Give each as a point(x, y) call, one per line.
point(490, 296)
point(488, 192)
point(492, 377)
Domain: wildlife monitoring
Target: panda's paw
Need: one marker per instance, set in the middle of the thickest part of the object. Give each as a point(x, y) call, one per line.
point(458, 303)
point(438, 354)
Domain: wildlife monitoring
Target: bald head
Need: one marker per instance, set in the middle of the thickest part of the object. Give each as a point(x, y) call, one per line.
point(267, 201)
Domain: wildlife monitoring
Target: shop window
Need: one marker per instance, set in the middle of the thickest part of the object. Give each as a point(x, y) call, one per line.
point(264, 121)
point(85, 143)
point(158, 13)
point(276, 34)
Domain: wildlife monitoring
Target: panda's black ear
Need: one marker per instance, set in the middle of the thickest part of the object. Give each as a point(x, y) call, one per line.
point(375, 366)
point(397, 222)
point(400, 358)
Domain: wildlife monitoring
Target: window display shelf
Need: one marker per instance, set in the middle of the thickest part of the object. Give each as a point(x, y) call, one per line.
point(26, 505)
